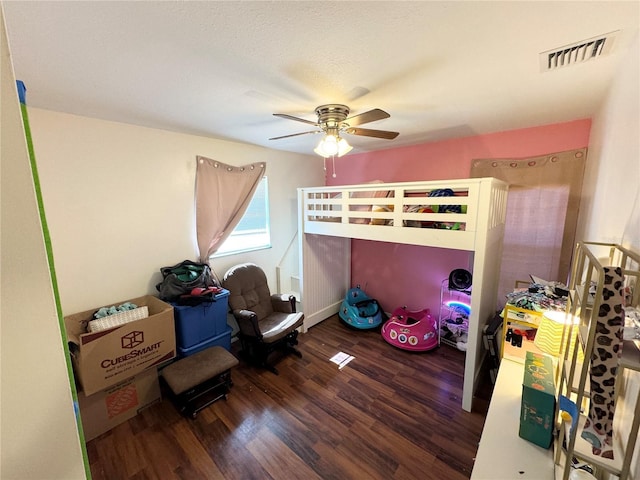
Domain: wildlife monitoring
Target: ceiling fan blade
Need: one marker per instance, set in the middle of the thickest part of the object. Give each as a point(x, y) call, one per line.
point(367, 132)
point(366, 117)
point(295, 134)
point(290, 117)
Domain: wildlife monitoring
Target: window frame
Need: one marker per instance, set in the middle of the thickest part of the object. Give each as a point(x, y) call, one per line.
point(266, 231)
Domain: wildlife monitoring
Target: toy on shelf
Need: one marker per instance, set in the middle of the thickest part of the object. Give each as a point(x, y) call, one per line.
point(414, 331)
point(455, 296)
point(359, 310)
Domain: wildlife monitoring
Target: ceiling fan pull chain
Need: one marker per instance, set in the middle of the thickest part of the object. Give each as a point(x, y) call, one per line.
point(333, 159)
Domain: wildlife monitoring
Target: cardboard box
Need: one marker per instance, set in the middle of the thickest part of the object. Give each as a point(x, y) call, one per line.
point(538, 406)
point(105, 358)
point(104, 410)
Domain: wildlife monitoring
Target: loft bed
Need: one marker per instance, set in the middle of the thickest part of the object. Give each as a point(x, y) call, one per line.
point(463, 214)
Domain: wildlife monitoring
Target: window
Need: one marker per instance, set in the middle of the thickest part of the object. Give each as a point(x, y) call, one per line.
point(252, 233)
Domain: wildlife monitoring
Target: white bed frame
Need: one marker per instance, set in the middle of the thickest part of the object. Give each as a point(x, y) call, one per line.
point(331, 216)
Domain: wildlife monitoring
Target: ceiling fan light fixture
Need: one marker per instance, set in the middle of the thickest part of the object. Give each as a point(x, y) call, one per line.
point(334, 119)
point(319, 152)
point(332, 146)
point(343, 147)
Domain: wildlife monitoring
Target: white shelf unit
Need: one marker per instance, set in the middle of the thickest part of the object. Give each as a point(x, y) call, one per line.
point(589, 261)
point(453, 318)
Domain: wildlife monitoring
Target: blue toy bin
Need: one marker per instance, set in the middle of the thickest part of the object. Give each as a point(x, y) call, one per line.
point(223, 340)
point(199, 323)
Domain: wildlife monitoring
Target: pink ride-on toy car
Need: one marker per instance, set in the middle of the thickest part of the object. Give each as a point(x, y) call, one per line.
point(415, 331)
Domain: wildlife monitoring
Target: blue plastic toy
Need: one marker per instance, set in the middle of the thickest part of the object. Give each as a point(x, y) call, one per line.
point(359, 310)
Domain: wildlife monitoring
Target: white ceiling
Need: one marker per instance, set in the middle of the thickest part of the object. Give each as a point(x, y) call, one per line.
point(220, 69)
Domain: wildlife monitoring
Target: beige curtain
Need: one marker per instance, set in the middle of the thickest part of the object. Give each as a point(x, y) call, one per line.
point(542, 212)
point(223, 193)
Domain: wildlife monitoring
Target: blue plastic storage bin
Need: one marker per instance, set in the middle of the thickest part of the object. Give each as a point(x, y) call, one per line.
point(195, 324)
point(223, 340)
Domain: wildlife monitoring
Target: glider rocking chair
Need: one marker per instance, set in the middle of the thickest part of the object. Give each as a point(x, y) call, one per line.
point(266, 322)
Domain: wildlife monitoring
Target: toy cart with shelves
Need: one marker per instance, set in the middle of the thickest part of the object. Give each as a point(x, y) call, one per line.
point(453, 319)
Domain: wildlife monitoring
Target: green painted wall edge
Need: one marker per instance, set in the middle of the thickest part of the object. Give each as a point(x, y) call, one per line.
point(54, 283)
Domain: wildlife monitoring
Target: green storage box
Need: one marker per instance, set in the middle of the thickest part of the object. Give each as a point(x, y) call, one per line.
point(538, 407)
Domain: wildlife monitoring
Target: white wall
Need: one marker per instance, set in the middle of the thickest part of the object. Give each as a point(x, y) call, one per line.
point(39, 437)
point(120, 203)
point(610, 211)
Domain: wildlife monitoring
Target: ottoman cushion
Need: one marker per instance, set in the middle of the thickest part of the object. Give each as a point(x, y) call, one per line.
point(191, 371)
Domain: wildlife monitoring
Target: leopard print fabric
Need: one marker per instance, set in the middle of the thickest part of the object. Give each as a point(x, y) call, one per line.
point(605, 357)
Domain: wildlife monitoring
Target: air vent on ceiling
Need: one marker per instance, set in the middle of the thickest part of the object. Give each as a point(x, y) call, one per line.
point(578, 52)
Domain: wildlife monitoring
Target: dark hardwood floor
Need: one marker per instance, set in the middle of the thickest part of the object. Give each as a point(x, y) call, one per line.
point(389, 414)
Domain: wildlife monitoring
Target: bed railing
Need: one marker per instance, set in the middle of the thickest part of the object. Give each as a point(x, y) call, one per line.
point(434, 211)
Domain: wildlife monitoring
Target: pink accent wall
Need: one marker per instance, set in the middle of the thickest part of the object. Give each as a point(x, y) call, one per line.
point(407, 275)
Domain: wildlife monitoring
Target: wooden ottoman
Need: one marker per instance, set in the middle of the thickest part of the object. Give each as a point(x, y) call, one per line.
point(200, 379)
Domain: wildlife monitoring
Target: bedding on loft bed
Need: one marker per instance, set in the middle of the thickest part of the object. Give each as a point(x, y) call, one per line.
point(373, 201)
point(399, 209)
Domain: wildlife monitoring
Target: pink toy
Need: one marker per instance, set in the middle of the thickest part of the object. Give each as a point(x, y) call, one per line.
point(416, 331)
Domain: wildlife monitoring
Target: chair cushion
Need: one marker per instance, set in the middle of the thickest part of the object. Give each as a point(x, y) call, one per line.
point(277, 325)
point(248, 290)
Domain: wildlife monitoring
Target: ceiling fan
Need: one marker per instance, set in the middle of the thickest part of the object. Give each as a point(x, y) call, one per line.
point(333, 119)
